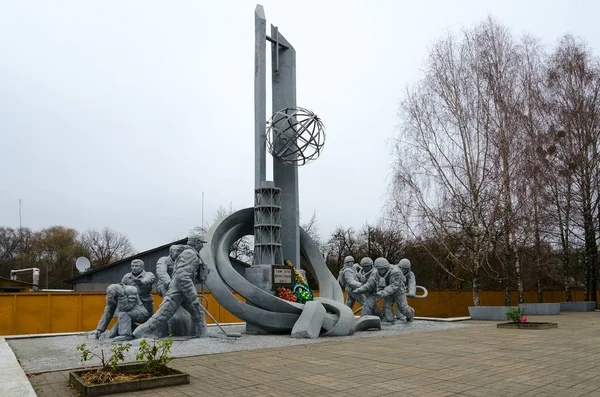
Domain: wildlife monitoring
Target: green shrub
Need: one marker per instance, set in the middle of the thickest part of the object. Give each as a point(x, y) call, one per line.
point(514, 314)
point(156, 355)
point(108, 362)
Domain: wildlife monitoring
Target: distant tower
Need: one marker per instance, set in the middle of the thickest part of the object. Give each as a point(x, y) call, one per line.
point(293, 136)
point(276, 222)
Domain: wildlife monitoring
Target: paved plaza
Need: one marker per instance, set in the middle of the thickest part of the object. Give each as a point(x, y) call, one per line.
point(480, 360)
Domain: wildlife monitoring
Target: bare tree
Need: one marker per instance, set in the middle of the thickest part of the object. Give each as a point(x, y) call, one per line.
point(574, 83)
point(472, 158)
point(560, 227)
point(54, 250)
point(500, 63)
point(312, 229)
point(341, 243)
point(243, 248)
point(385, 239)
point(9, 250)
point(534, 122)
point(443, 180)
point(106, 246)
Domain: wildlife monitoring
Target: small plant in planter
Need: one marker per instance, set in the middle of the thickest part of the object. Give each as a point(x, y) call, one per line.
point(517, 320)
point(156, 356)
point(107, 372)
point(111, 377)
point(515, 315)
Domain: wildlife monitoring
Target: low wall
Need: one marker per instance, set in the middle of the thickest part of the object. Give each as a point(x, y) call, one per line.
point(53, 312)
point(455, 303)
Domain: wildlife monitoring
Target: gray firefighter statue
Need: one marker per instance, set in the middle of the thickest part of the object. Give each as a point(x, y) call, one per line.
point(369, 287)
point(386, 282)
point(370, 301)
point(164, 269)
point(181, 293)
point(411, 284)
point(366, 269)
point(124, 302)
point(350, 280)
point(181, 322)
point(143, 281)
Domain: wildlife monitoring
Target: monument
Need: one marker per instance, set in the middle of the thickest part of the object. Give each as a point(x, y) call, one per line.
point(293, 136)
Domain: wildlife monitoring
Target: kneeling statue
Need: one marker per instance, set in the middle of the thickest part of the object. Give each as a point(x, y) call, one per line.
point(125, 301)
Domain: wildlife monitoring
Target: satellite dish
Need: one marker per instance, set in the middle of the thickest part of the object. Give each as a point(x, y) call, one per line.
point(82, 264)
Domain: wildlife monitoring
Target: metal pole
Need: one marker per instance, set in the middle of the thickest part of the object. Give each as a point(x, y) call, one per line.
point(20, 237)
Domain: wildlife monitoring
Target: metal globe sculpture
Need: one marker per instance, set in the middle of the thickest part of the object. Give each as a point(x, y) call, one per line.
point(295, 136)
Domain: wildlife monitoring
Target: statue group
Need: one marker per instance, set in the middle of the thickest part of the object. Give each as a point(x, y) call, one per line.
point(369, 282)
point(179, 314)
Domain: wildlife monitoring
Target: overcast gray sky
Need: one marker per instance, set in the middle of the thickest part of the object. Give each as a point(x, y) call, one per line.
point(121, 113)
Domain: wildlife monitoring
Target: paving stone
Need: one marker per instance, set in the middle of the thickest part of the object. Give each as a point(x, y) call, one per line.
point(473, 361)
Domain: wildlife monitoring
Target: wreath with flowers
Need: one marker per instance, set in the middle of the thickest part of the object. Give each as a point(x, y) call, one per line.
point(300, 291)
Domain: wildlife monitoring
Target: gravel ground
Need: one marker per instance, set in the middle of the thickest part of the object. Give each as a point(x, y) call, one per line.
point(54, 353)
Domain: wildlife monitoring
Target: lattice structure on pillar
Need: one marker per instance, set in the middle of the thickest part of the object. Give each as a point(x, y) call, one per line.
point(267, 225)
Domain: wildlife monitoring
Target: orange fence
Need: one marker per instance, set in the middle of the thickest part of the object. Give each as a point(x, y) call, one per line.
point(53, 312)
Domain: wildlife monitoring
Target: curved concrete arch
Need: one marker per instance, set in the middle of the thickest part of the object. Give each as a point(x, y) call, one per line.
point(265, 319)
point(235, 228)
point(267, 311)
point(328, 285)
point(346, 322)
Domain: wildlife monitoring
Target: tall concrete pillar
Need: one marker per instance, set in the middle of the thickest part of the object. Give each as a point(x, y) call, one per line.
point(286, 176)
point(260, 98)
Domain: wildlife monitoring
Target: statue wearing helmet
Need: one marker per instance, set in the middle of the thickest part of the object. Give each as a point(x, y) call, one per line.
point(411, 284)
point(182, 292)
point(349, 279)
point(366, 268)
point(389, 283)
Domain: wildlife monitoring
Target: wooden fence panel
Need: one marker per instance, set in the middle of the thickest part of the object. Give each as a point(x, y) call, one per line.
point(7, 314)
point(64, 313)
point(32, 314)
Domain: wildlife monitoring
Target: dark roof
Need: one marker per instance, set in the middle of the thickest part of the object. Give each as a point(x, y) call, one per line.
point(129, 259)
point(72, 280)
point(16, 281)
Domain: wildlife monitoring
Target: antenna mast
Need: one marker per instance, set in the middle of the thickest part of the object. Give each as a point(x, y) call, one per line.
point(20, 235)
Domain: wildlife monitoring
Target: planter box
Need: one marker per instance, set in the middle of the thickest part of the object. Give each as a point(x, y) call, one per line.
point(528, 325)
point(178, 378)
point(495, 313)
point(588, 306)
point(540, 308)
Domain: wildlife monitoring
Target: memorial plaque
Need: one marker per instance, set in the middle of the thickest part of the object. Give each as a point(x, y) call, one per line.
point(283, 276)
